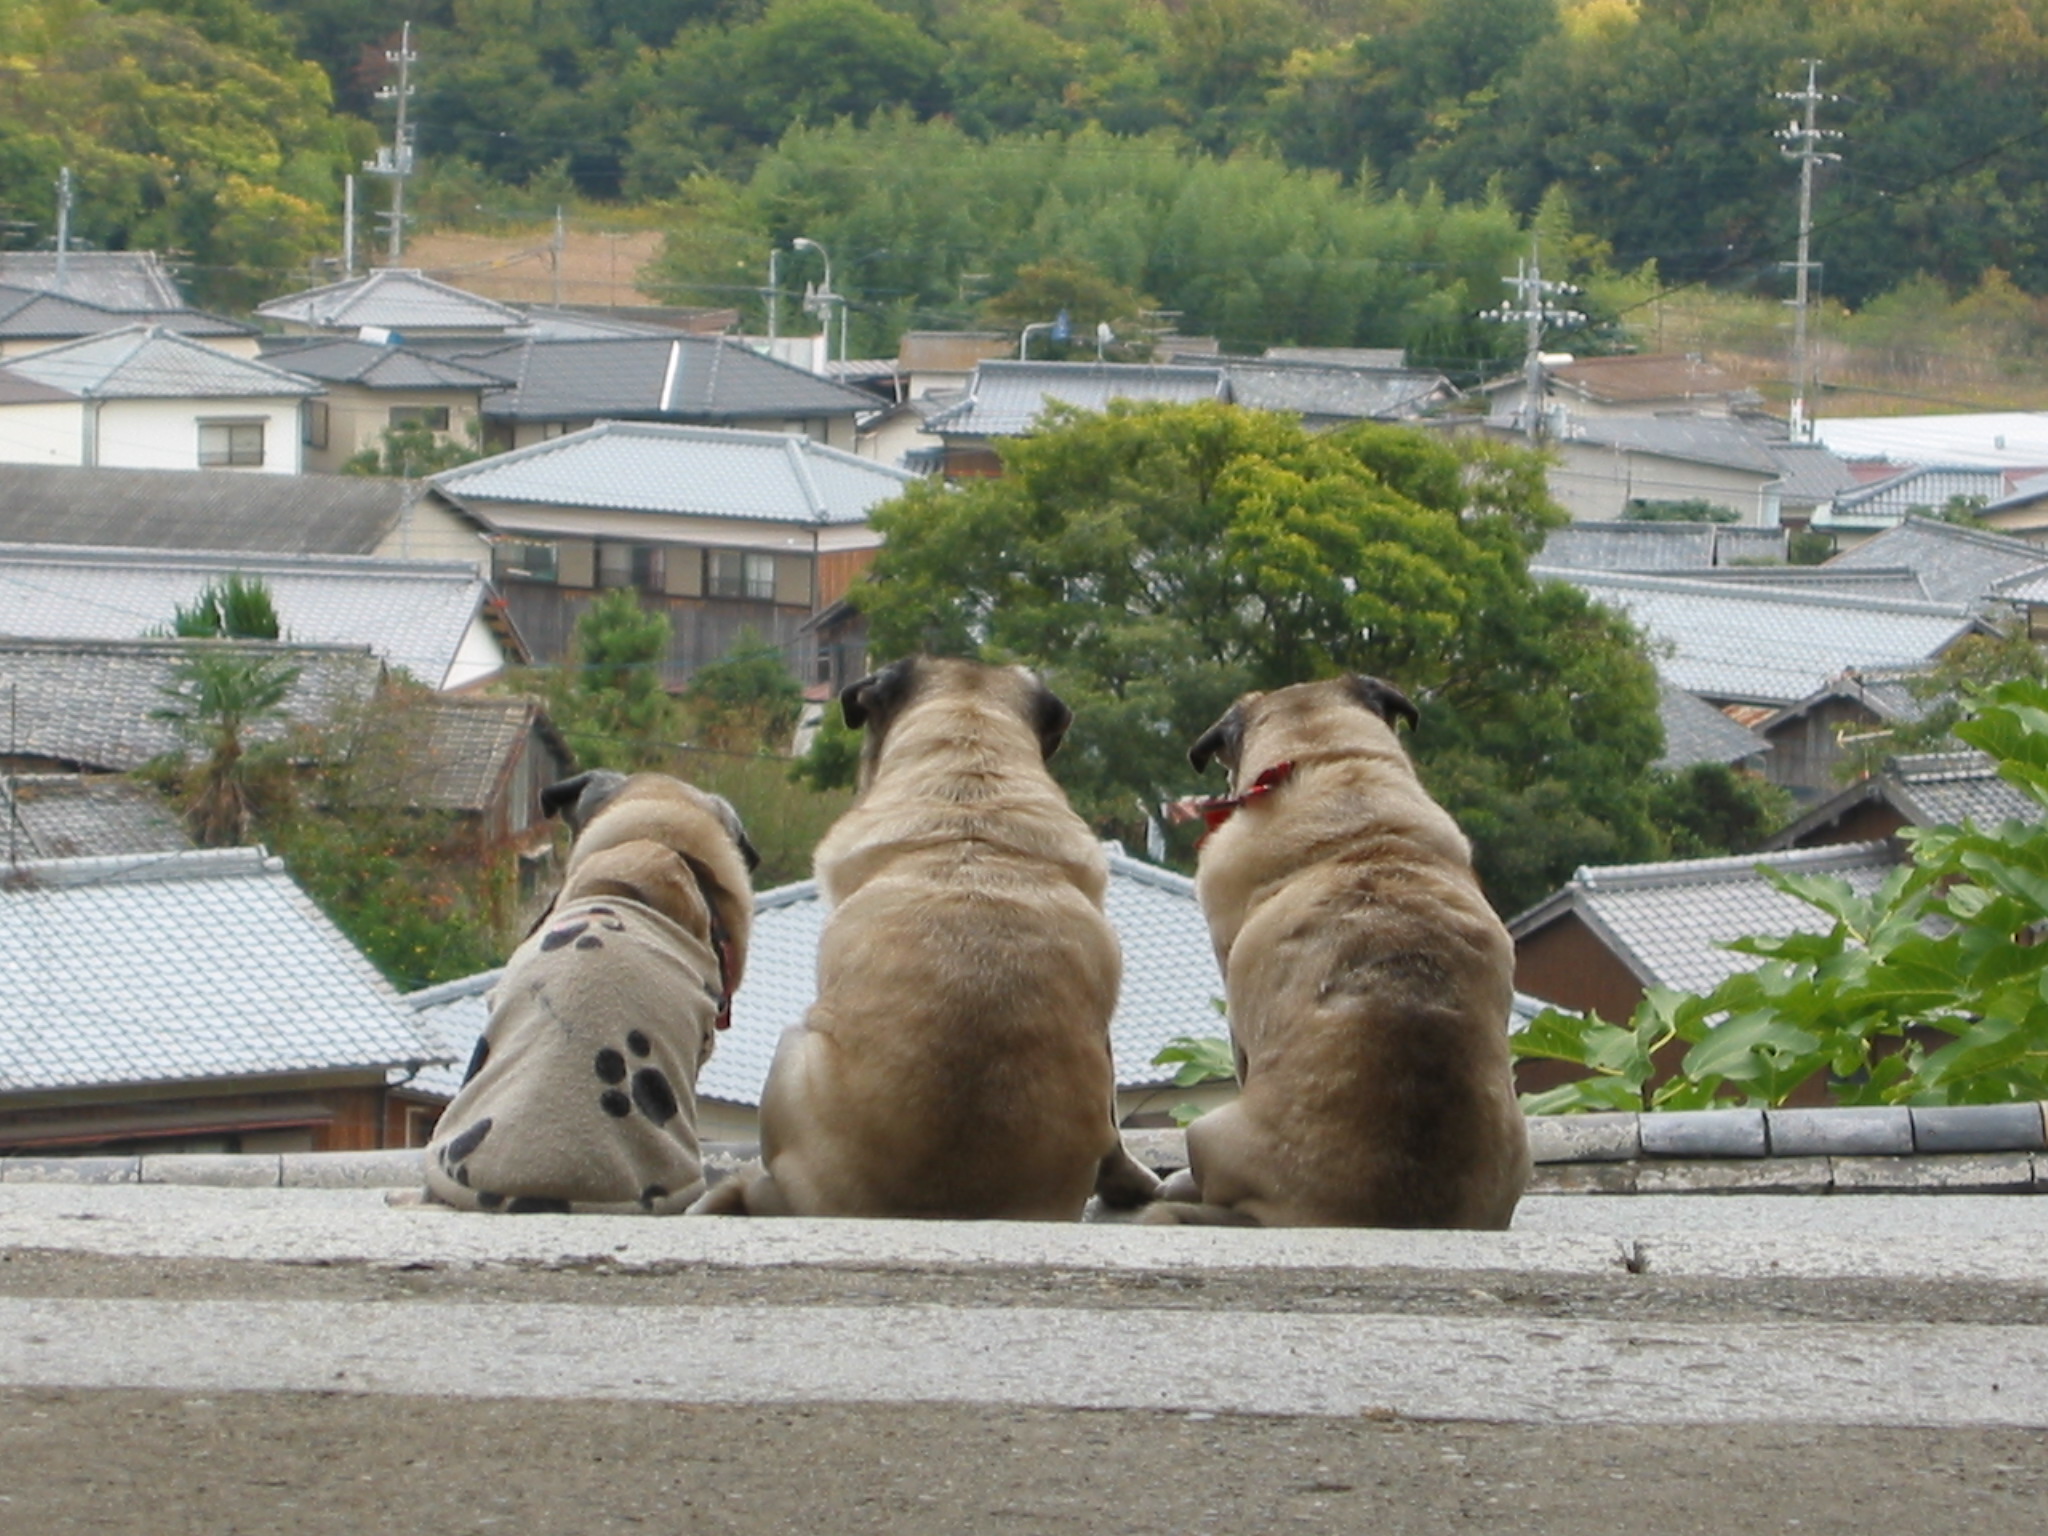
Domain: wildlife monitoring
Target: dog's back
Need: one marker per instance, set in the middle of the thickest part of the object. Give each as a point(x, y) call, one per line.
point(1368, 984)
point(956, 1062)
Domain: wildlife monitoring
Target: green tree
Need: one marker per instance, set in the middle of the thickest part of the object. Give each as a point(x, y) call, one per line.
point(746, 700)
point(223, 689)
point(411, 450)
point(1157, 561)
point(609, 702)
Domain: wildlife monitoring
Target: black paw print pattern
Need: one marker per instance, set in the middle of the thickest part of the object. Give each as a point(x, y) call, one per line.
point(578, 930)
point(648, 1089)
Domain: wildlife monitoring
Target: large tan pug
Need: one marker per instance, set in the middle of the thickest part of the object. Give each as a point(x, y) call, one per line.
point(1367, 979)
point(956, 1062)
point(582, 1093)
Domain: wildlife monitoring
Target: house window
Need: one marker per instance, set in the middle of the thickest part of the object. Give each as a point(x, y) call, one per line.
point(433, 417)
point(630, 565)
point(235, 444)
point(739, 573)
point(530, 558)
point(313, 423)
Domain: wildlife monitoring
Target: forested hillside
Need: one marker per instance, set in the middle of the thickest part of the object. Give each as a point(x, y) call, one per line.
point(1335, 171)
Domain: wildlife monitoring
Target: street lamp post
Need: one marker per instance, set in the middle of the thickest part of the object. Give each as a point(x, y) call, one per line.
point(827, 295)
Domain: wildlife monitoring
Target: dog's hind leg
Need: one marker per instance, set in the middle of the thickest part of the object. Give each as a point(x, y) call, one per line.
point(1179, 1213)
point(748, 1191)
point(1123, 1182)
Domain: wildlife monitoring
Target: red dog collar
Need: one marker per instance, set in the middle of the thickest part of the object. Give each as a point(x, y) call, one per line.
point(1217, 809)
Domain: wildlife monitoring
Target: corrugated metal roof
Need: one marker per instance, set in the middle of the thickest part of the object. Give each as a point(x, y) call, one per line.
point(708, 379)
point(90, 702)
point(185, 967)
point(377, 366)
point(685, 471)
point(1955, 564)
point(188, 509)
point(1006, 397)
point(1696, 732)
point(1668, 921)
point(2005, 439)
point(1729, 642)
point(134, 281)
point(416, 614)
point(148, 362)
point(391, 298)
point(71, 816)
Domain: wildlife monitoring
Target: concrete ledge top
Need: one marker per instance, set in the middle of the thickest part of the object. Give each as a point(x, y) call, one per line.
point(1983, 1148)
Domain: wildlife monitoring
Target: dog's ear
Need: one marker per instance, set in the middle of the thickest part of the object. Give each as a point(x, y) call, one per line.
point(1050, 716)
point(1223, 739)
point(877, 694)
point(730, 819)
point(1384, 700)
point(582, 797)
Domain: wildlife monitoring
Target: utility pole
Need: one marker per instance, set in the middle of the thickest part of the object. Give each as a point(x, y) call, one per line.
point(1533, 309)
point(348, 226)
point(771, 296)
point(63, 225)
point(1801, 141)
point(396, 161)
point(557, 248)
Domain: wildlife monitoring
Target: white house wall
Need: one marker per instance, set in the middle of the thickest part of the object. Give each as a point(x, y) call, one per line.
point(430, 530)
point(1596, 483)
point(46, 432)
point(480, 656)
point(164, 434)
point(664, 528)
point(357, 419)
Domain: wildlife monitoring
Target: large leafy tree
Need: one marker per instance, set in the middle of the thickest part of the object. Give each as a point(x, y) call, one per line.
point(1159, 560)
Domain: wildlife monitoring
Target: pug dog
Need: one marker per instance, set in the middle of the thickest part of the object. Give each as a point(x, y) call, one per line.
point(581, 1095)
point(1367, 981)
point(956, 1062)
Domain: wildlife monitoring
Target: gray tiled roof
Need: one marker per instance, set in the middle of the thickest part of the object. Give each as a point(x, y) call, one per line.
point(68, 816)
point(1885, 502)
point(376, 366)
point(1946, 788)
point(1651, 546)
point(182, 967)
point(1667, 921)
point(1955, 564)
point(1170, 978)
point(148, 362)
point(1894, 582)
point(1729, 642)
point(1696, 732)
point(709, 379)
point(89, 702)
point(1813, 475)
point(1320, 389)
point(1885, 691)
point(1006, 397)
point(693, 471)
point(469, 739)
point(416, 614)
point(28, 314)
point(392, 299)
point(450, 1017)
point(187, 509)
point(1695, 439)
point(134, 281)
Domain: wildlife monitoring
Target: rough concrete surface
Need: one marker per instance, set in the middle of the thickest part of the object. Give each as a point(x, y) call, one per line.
point(254, 1360)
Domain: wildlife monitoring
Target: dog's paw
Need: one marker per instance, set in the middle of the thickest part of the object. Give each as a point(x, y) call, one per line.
point(626, 1086)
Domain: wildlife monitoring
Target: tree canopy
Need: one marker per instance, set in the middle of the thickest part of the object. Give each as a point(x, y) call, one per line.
point(1157, 561)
